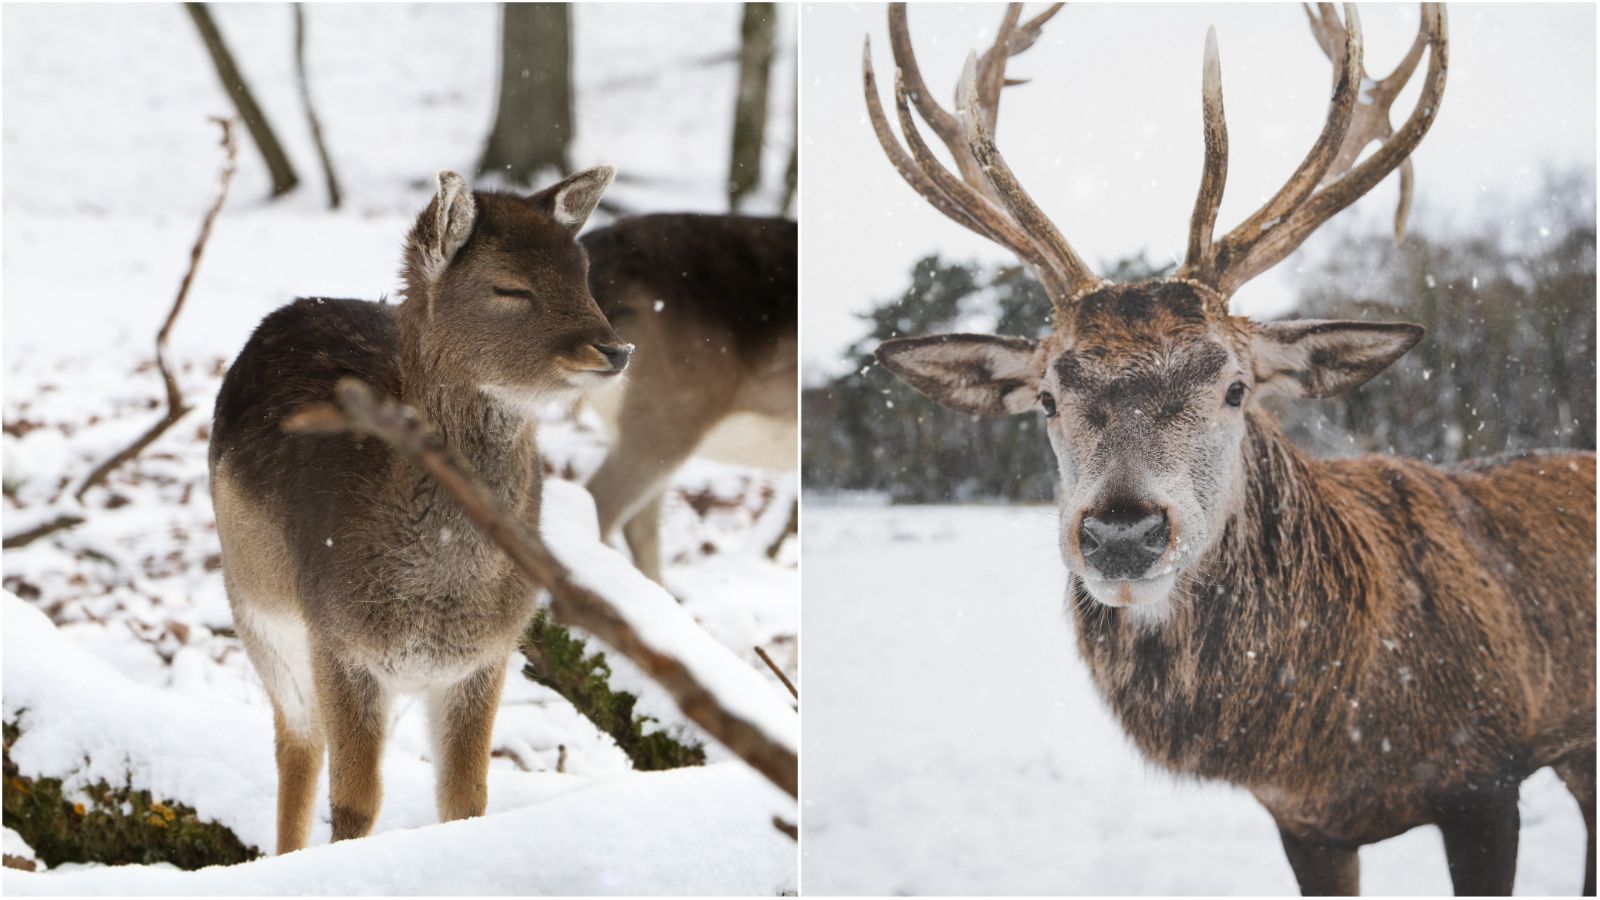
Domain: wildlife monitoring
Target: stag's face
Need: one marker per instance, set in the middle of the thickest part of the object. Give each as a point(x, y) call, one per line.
point(1144, 391)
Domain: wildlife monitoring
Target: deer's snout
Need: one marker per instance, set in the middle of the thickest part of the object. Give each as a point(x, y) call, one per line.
point(616, 354)
point(1123, 542)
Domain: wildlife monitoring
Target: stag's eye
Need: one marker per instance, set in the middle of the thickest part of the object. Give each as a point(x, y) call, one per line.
point(1048, 404)
point(1235, 394)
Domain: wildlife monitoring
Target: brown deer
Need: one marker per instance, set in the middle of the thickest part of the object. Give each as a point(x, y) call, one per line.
point(1366, 645)
point(352, 577)
point(710, 302)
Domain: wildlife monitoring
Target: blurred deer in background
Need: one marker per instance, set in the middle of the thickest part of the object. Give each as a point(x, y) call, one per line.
point(352, 577)
point(1367, 645)
point(710, 303)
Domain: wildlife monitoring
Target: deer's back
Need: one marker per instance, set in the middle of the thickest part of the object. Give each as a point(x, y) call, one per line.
point(737, 273)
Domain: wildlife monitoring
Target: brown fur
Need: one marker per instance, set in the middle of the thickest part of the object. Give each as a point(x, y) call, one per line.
point(710, 301)
point(351, 576)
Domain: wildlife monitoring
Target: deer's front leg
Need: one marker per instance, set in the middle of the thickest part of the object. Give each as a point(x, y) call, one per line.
point(354, 712)
point(1480, 841)
point(1322, 868)
point(461, 716)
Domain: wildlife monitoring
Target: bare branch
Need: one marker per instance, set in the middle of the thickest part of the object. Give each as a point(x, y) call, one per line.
point(778, 672)
point(363, 410)
point(176, 407)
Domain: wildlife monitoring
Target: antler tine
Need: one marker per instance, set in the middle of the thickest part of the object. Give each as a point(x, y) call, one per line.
point(1068, 264)
point(1214, 177)
point(1234, 250)
point(945, 125)
point(993, 224)
point(949, 195)
point(1371, 120)
point(1010, 40)
point(1325, 182)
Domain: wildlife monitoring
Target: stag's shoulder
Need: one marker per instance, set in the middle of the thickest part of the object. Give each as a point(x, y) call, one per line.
point(294, 358)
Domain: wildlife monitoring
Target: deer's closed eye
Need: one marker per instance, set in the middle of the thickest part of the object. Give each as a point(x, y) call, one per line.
point(516, 293)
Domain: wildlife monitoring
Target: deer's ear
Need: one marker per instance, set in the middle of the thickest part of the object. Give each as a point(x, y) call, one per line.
point(1320, 358)
point(441, 229)
point(572, 199)
point(974, 373)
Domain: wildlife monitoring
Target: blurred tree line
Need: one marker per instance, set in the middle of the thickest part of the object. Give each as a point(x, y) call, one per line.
point(534, 121)
point(1508, 362)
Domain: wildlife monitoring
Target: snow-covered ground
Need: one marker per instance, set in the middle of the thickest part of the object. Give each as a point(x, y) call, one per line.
point(954, 744)
point(109, 162)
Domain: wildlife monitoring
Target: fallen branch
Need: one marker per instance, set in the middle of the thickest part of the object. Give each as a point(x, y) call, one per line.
point(362, 410)
point(778, 672)
point(176, 407)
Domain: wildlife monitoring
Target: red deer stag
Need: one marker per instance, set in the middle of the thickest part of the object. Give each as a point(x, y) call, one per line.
point(1366, 645)
point(351, 576)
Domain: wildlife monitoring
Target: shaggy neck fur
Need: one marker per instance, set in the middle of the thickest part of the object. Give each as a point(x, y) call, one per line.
point(1219, 688)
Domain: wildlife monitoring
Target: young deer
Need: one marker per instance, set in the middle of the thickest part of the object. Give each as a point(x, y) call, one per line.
point(1367, 645)
point(710, 301)
point(352, 577)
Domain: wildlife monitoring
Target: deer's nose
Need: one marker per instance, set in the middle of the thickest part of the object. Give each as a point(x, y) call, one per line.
point(616, 354)
point(1123, 543)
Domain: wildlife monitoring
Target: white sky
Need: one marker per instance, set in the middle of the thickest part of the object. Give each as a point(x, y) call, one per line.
point(1107, 137)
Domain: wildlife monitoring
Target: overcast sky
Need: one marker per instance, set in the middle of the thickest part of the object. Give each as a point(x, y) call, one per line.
point(1107, 136)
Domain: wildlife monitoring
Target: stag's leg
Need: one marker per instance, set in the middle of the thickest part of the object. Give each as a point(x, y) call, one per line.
point(643, 533)
point(461, 716)
point(1578, 773)
point(354, 709)
point(1323, 868)
point(300, 748)
point(1480, 840)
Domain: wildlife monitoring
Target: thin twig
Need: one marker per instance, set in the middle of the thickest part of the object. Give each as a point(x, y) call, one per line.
point(778, 672)
point(789, 828)
point(176, 408)
point(311, 111)
point(362, 410)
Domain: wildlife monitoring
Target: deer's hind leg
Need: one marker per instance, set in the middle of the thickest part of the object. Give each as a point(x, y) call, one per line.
point(299, 748)
point(461, 717)
point(354, 713)
point(1577, 772)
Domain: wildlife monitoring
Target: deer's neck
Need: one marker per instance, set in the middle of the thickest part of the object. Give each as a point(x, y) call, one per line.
point(495, 439)
point(1272, 606)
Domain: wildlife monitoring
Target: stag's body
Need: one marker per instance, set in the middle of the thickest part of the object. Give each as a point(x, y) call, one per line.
point(710, 301)
point(1373, 644)
point(352, 576)
point(1367, 645)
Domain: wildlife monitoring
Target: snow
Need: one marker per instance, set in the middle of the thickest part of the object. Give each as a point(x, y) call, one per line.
point(110, 162)
point(954, 743)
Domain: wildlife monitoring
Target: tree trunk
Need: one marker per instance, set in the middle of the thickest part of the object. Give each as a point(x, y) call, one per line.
point(283, 177)
point(311, 111)
point(533, 121)
point(750, 107)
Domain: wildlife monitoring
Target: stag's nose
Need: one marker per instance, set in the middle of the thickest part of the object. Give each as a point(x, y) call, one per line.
point(1123, 542)
point(616, 354)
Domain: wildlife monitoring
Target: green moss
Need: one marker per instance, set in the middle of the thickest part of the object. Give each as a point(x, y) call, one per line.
point(114, 825)
point(558, 660)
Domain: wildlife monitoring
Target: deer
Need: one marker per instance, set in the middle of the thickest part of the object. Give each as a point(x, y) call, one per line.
point(710, 301)
point(351, 576)
point(1366, 645)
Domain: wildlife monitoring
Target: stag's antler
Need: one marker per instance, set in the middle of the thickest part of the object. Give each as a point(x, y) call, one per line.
point(1327, 180)
point(986, 197)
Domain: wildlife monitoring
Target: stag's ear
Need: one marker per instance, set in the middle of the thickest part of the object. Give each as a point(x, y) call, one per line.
point(572, 199)
point(975, 373)
point(1319, 358)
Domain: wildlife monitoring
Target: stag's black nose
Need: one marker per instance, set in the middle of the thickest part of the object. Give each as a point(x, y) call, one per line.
point(616, 354)
point(1123, 543)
